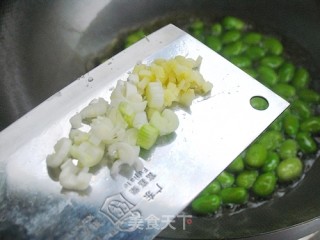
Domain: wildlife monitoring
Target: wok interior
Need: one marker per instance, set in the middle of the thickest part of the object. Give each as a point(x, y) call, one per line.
point(48, 44)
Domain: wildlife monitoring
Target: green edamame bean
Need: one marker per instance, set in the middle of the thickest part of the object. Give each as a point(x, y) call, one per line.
point(302, 109)
point(231, 36)
point(197, 25)
point(252, 38)
point(271, 139)
point(311, 125)
point(255, 52)
point(265, 184)
point(230, 22)
point(247, 178)
point(234, 195)
point(251, 72)
point(134, 37)
point(206, 204)
point(306, 143)
point(216, 29)
point(286, 72)
point(267, 75)
point(256, 155)
point(284, 90)
point(291, 124)
point(225, 179)
point(213, 188)
point(271, 162)
point(214, 43)
point(272, 61)
point(289, 169)
point(198, 34)
point(301, 78)
point(273, 45)
point(276, 125)
point(259, 103)
point(288, 149)
point(237, 165)
point(241, 61)
point(309, 95)
point(232, 49)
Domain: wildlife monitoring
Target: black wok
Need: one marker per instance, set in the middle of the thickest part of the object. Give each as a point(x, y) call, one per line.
point(45, 45)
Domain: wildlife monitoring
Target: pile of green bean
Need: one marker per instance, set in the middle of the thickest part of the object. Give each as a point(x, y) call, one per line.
point(276, 158)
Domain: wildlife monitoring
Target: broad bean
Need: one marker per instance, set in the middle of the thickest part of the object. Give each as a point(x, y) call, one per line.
point(225, 179)
point(214, 43)
point(259, 103)
point(232, 49)
point(301, 78)
point(255, 52)
point(230, 22)
point(241, 61)
point(265, 184)
point(231, 36)
point(285, 90)
point(256, 155)
point(306, 142)
point(267, 75)
point(237, 165)
point(271, 139)
point(288, 149)
point(252, 38)
point(291, 124)
point(302, 109)
point(286, 72)
point(247, 178)
point(213, 188)
point(216, 29)
point(309, 95)
point(134, 37)
point(289, 169)
point(234, 195)
point(271, 162)
point(206, 204)
point(272, 61)
point(311, 125)
point(273, 45)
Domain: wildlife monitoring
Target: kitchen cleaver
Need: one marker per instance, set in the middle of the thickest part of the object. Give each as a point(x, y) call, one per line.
point(212, 133)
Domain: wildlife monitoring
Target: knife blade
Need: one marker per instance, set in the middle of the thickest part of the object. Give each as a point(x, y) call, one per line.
point(212, 132)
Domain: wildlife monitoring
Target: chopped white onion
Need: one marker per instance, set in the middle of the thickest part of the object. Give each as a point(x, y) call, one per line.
point(62, 148)
point(74, 178)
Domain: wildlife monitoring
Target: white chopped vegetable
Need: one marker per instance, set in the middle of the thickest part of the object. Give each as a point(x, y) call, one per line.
point(131, 136)
point(135, 117)
point(88, 154)
point(103, 129)
point(62, 149)
point(77, 136)
point(187, 97)
point(94, 109)
point(147, 136)
point(125, 154)
point(139, 119)
point(133, 78)
point(166, 122)
point(74, 178)
point(155, 95)
point(76, 121)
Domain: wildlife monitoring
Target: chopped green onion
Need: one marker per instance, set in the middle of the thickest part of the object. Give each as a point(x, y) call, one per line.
point(147, 136)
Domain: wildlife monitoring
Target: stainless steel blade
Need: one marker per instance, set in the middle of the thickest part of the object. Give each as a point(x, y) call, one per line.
point(214, 131)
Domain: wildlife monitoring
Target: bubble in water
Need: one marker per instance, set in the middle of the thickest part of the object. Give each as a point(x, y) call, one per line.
point(90, 79)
